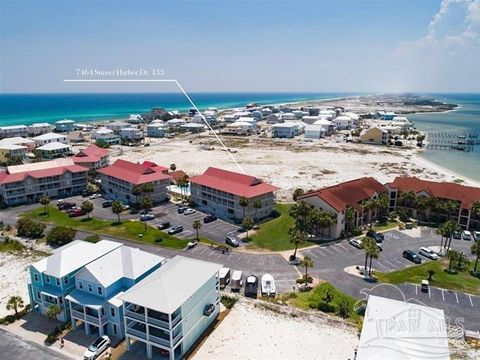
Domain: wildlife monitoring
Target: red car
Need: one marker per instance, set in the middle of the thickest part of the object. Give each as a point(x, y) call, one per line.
point(76, 213)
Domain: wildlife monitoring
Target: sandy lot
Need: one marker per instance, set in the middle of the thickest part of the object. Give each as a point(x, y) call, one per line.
point(249, 332)
point(291, 163)
point(13, 278)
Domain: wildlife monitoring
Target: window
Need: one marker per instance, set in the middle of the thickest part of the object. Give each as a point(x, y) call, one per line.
point(35, 277)
point(90, 288)
point(112, 311)
point(80, 285)
point(57, 281)
point(65, 280)
point(102, 311)
point(38, 295)
point(99, 290)
point(114, 329)
point(47, 278)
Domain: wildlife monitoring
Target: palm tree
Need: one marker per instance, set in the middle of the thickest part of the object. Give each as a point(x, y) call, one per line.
point(430, 273)
point(87, 208)
point(197, 225)
point(382, 204)
point(146, 205)
point(257, 204)
point(476, 208)
point(447, 230)
point(297, 237)
point(117, 208)
point(475, 250)
point(300, 212)
point(407, 198)
point(53, 311)
point(243, 202)
point(369, 246)
point(14, 303)
point(307, 262)
point(173, 167)
point(452, 255)
point(136, 190)
point(296, 193)
point(45, 200)
point(349, 219)
point(247, 224)
point(326, 220)
point(369, 205)
point(374, 254)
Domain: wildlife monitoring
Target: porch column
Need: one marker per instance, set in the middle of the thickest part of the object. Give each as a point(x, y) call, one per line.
point(149, 351)
point(100, 330)
point(87, 328)
point(127, 342)
point(74, 322)
point(172, 354)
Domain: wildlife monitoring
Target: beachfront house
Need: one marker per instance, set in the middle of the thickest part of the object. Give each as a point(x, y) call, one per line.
point(53, 150)
point(18, 141)
point(170, 309)
point(131, 134)
point(351, 194)
point(287, 130)
point(156, 130)
point(274, 119)
point(21, 184)
point(218, 192)
point(92, 157)
point(174, 124)
point(53, 278)
point(122, 176)
point(241, 128)
point(13, 131)
point(94, 302)
point(116, 126)
point(49, 138)
point(344, 122)
point(65, 125)
point(315, 131)
point(374, 135)
point(39, 129)
point(192, 128)
point(105, 135)
point(12, 154)
point(76, 137)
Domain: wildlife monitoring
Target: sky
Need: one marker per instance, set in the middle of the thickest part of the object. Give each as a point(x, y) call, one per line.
point(236, 46)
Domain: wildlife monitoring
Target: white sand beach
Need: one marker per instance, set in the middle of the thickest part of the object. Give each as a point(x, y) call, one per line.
point(250, 332)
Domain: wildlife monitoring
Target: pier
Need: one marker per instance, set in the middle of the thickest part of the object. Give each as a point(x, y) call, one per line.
point(452, 141)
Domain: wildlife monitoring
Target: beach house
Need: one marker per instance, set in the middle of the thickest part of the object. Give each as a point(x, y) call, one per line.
point(105, 135)
point(92, 157)
point(27, 183)
point(193, 128)
point(116, 126)
point(94, 302)
point(156, 130)
point(274, 119)
point(12, 153)
point(170, 309)
point(13, 131)
point(39, 129)
point(315, 131)
point(241, 128)
point(65, 125)
point(131, 134)
point(374, 135)
point(49, 138)
point(287, 130)
point(122, 176)
point(351, 194)
point(53, 278)
point(18, 141)
point(53, 150)
point(344, 122)
point(218, 192)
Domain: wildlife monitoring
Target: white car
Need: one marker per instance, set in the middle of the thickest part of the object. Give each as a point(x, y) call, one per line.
point(466, 235)
point(189, 212)
point(476, 235)
point(428, 253)
point(96, 348)
point(95, 196)
point(356, 242)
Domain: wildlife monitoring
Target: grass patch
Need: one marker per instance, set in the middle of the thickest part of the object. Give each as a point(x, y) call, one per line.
point(273, 234)
point(11, 246)
point(388, 226)
point(463, 281)
point(128, 229)
point(317, 299)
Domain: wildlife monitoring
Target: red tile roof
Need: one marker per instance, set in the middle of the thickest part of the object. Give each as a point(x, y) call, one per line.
point(6, 177)
point(466, 195)
point(348, 193)
point(135, 173)
point(233, 183)
point(91, 154)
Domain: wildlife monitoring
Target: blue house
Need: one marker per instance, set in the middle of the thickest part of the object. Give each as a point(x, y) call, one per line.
point(94, 302)
point(53, 278)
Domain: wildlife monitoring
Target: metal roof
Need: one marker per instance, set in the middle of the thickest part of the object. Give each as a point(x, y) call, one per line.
point(169, 287)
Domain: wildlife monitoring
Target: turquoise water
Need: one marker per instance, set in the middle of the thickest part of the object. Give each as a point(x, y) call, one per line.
point(465, 119)
point(28, 108)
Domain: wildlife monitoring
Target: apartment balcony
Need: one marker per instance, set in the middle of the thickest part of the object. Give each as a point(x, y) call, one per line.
point(177, 338)
point(159, 340)
point(160, 323)
point(78, 314)
point(137, 333)
point(138, 314)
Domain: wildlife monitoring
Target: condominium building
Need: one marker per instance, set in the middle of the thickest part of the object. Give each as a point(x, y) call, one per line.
point(119, 179)
point(92, 157)
point(170, 309)
point(94, 302)
point(53, 277)
point(13, 131)
point(219, 191)
point(39, 129)
point(27, 183)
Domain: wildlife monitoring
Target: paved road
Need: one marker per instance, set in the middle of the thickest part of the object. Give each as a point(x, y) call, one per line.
point(13, 347)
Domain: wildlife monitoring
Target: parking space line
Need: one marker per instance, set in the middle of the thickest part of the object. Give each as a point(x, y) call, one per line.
point(456, 296)
point(335, 248)
point(327, 250)
point(416, 289)
point(313, 254)
point(388, 269)
point(393, 265)
point(443, 294)
point(429, 292)
point(320, 252)
point(470, 298)
point(341, 245)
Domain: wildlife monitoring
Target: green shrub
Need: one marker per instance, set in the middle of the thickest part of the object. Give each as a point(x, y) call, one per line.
point(228, 301)
point(326, 307)
point(30, 229)
point(343, 308)
point(92, 238)
point(61, 235)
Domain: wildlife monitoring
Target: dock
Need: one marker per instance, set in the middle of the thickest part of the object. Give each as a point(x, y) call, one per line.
point(452, 141)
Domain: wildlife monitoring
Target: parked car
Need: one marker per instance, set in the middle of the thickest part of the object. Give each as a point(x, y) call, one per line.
point(192, 244)
point(126, 207)
point(424, 286)
point(107, 204)
point(268, 285)
point(97, 348)
point(147, 217)
point(209, 218)
point(476, 235)
point(85, 193)
point(251, 286)
point(412, 256)
point(236, 281)
point(429, 253)
point(95, 196)
point(356, 242)
point(76, 213)
point(189, 212)
point(66, 205)
point(224, 277)
point(164, 225)
point(466, 235)
point(181, 209)
point(457, 235)
point(230, 240)
point(175, 229)
point(375, 236)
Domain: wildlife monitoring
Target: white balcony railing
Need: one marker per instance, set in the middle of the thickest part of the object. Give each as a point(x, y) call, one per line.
point(158, 340)
point(137, 333)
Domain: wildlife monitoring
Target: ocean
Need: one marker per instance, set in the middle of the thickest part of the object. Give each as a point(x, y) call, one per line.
point(29, 108)
point(466, 118)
